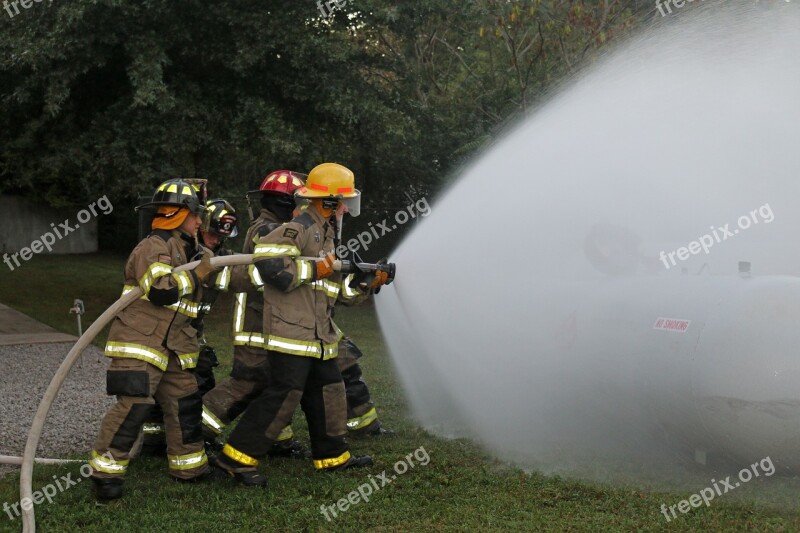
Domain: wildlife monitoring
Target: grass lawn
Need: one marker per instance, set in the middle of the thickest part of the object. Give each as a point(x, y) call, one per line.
point(460, 489)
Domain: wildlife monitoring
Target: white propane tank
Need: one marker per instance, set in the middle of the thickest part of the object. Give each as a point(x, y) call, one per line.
point(717, 360)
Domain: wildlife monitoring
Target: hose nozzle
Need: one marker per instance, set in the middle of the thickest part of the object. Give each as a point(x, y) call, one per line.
point(365, 272)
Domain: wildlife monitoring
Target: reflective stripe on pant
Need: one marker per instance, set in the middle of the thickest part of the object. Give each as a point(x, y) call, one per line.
point(155, 435)
point(176, 392)
point(362, 422)
point(320, 386)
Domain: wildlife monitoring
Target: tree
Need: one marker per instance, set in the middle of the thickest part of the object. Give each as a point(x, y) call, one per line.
point(113, 96)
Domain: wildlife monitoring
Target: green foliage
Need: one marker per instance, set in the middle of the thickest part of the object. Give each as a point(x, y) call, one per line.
point(113, 96)
point(460, 489)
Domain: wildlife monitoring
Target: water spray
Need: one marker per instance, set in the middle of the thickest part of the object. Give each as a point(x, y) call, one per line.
point(571, 347)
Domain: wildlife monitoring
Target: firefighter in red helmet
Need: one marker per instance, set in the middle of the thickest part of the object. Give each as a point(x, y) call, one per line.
point(250, 366)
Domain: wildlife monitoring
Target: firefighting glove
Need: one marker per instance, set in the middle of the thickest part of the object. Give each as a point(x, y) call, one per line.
point(323, 268)
point(372, 282)
point(380, 279)
point(204, 372)
point(204, 269)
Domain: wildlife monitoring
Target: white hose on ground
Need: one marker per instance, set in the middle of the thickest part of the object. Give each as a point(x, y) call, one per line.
point(26, 475)
point(17, 460)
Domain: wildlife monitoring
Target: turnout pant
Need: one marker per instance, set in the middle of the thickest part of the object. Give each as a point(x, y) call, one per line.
point(154, 441)
point(138, 385)
point(316, 386)
point(225, 402)
point(361, 413)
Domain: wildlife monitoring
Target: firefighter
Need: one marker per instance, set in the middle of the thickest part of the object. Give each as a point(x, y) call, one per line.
point(250, 371)
point(251, 368)
point(362, 416)
point(295, 262)
point(220, 223)
point(153, 345)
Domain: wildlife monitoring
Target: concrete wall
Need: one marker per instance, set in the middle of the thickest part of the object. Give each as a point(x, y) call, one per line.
point(22, 222)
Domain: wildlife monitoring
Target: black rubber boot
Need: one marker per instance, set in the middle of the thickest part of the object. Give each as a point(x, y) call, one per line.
point(354, 462)
point(293, 449)
point(153, 450)
point(245, 475)
point(107, 489)
point(212, 447)
point(376, 429)
point(196, 479)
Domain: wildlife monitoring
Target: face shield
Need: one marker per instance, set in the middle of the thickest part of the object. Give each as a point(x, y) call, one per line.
point(195, 207)
point(339, 204)
point(347, 205)
point(353, 205)
point(301, 202)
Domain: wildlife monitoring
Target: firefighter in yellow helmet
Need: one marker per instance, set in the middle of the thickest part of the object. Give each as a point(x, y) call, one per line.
point(295, 261)
point(154, 347)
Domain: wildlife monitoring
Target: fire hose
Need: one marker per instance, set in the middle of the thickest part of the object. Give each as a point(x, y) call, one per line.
point(360, 270)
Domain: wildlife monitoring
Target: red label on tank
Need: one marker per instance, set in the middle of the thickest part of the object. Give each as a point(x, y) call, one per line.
point(672, 324)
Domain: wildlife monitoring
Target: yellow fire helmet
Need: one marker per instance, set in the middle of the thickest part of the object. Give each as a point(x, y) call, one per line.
point(333, 182)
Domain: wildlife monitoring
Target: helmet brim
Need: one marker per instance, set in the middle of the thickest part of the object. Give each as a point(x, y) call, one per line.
point(153, 206)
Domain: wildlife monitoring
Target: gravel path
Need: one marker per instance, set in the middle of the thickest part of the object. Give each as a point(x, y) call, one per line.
point(74, 419)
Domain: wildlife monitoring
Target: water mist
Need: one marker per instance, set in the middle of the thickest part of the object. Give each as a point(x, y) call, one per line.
point(538, 310)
